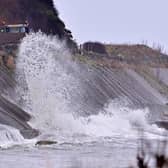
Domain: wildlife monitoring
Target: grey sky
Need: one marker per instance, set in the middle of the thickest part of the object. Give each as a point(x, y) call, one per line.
point(116, 21)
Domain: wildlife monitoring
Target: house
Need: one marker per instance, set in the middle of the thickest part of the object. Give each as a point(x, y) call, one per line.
point(12, 33)
point(14, 28)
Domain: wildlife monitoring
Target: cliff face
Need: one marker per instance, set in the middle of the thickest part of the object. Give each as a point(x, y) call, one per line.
point(39, 13)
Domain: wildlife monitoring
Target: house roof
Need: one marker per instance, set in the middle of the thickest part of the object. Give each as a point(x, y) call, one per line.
point(16, 25)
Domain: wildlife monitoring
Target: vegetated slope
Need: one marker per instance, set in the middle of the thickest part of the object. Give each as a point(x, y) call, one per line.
point(137, 50)
point(126, 53)
point(40, 14)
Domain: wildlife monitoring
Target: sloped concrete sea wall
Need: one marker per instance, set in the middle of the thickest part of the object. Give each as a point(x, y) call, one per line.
point(10, 113)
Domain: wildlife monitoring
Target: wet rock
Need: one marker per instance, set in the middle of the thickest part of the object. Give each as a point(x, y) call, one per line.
point(10, 63)
point(45, 142)
point(162, 124)
point(7, 55)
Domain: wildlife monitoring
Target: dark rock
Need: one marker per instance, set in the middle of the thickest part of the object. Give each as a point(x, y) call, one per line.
point(45, 142)
point(162, 124)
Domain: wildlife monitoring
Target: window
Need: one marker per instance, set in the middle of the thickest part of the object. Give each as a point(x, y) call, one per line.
point(22, 29)
point(14, 29)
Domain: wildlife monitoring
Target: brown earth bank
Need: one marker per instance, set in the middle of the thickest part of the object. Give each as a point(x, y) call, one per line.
point(123, 55)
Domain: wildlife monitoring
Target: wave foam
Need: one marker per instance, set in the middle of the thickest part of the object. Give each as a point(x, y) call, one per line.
point(53, 90)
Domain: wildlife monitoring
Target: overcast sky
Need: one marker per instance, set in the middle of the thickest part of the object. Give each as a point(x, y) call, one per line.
point(116, 21)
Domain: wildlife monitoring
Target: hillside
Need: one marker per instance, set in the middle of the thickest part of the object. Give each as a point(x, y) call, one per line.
point(40, 14)
point(137, 50)
point(125, 55)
